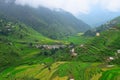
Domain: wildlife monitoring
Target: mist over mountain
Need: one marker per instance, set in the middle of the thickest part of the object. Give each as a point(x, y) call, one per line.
point(94, 13)
point(45, 40)
point(98, 16)
point(110, 25)
point(50, 23)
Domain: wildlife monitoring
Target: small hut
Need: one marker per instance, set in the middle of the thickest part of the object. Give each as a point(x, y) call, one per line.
point(97, 34)
point(82, 45)
point(109, 59)
point(72, 52)
point(118, 51)
point(71, 78)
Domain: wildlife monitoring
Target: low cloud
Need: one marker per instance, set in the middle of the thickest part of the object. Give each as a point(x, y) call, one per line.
point(112, 5)
point(74, 6)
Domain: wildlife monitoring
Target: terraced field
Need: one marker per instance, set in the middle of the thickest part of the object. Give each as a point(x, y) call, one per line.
point(77, 39)
point(59, 71)
point(113, 74)
point(21, 58)
point(37, 71)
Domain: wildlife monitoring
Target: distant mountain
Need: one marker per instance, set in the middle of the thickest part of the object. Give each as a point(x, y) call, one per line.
point(107, 26)
point(50, 23)
point(98, 16)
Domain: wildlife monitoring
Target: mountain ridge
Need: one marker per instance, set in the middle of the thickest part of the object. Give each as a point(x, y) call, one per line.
point(50, 23)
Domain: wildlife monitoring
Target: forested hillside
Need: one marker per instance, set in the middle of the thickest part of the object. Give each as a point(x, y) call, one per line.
point(20, 52)
point(17, 39)
point(102, 46)
point(51, 23)
point(29, 49)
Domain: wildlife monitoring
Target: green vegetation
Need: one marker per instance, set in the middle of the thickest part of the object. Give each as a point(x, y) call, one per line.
point(101, 47)
point(21, 60)
point(77, 70)
point(111, 25)
point(77, 39)
point(18, 32)
point(113, 74)
point(26, 54)
point(50, 23)
point(59, 70)
point(16, 41)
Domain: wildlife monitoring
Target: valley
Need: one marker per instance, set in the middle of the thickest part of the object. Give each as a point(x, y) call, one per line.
point(41, 58)
point(44, 44)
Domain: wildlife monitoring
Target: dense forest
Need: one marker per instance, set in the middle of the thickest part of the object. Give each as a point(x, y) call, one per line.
point(50, 23)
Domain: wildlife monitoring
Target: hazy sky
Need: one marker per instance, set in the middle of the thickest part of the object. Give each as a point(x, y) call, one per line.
point(74, 6)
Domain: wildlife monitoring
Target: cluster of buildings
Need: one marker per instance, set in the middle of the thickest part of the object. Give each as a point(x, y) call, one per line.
point(48, 47)
point(7, 28)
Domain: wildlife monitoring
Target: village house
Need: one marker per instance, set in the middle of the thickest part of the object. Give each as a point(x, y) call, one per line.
point(72, 79)
point(72, 52)
point(117, 54)
point(118, 51)
point(97, 34)
point(9, 30)
point(109, 59)
point(81, 45)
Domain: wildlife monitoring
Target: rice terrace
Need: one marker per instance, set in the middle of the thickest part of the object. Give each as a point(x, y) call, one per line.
point(59, 40)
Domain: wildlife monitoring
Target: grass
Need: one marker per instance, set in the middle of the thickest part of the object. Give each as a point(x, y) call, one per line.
point(77, 39)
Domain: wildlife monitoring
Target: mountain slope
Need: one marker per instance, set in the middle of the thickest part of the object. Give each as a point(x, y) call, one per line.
point(110, 25)
point(50, 23)
point(16, 39)
point(19, 31)
point(98, 16)
point(103, 46)
point(21, 61)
